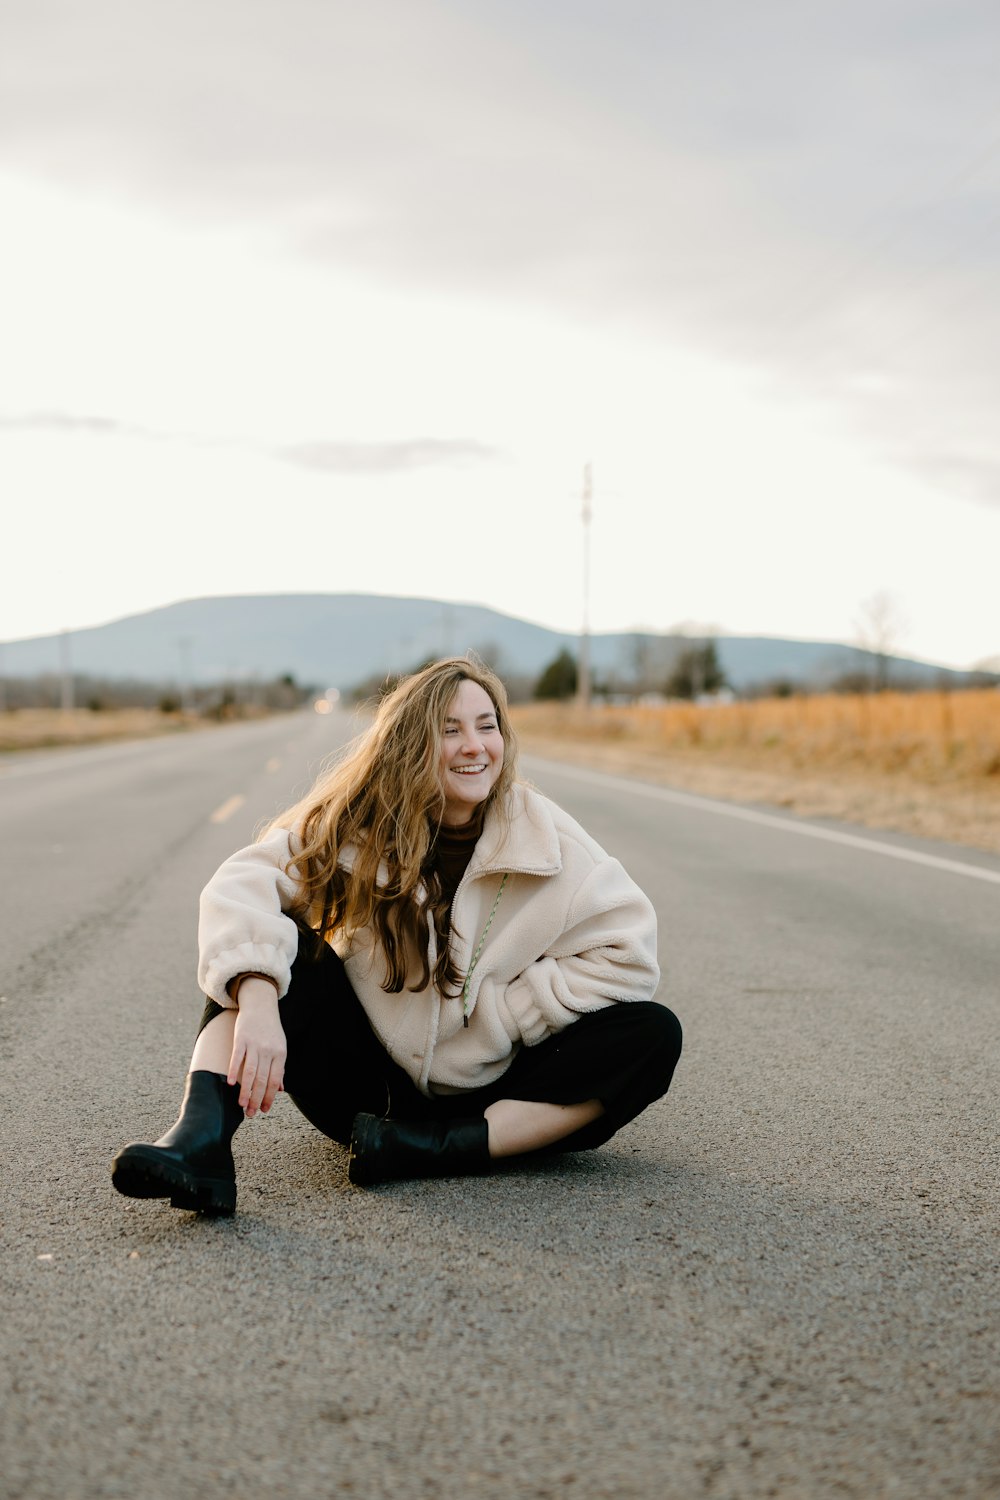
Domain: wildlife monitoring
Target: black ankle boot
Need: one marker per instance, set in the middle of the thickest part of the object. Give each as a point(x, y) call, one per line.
point(192, 1164)
point(387, 1150)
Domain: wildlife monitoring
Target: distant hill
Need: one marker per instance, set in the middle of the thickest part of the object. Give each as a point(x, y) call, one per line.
point(338, 640)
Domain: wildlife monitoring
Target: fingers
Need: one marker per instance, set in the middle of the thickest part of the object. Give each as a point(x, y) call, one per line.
point(254, 1083)
point(274, 1081)
point(261, 1078)
point(257, 1062)
point(248, 1079)
point(236, 1062)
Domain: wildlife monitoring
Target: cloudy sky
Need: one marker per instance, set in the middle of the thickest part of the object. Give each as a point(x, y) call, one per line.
point(308, 295)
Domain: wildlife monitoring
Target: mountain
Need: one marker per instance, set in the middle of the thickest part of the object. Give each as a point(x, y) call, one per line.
point(337, 640)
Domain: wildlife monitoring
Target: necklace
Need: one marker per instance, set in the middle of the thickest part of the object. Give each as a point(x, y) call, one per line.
point(475, 956)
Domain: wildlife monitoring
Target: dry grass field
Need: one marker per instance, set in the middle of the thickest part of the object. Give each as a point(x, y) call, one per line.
point(922, 763)
point(39, 728)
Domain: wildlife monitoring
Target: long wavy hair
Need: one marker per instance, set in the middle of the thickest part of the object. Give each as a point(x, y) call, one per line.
point(382, 800)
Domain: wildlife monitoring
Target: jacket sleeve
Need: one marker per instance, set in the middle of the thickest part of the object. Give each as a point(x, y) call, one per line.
point(243, 927)
point(606, 955)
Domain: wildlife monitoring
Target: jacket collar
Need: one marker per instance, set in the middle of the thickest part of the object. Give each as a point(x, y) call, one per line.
point(530, 845)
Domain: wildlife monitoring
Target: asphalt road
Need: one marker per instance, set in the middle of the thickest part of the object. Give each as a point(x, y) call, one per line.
point(780, 1281)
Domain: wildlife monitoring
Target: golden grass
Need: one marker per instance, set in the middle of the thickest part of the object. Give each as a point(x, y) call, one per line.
point(38, 728)
point(925, 763)
point(934, 736)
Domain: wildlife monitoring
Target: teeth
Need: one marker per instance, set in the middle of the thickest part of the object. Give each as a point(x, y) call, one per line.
point(468, 770)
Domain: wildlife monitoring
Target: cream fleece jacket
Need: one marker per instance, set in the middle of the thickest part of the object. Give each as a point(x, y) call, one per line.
point(572, 933)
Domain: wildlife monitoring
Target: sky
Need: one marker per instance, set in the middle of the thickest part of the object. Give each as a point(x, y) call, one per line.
point(309, 296)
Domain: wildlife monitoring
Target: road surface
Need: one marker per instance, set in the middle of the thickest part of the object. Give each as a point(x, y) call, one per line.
point(780, 1281)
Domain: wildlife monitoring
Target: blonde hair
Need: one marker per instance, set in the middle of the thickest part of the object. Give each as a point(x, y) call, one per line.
point(383, 799)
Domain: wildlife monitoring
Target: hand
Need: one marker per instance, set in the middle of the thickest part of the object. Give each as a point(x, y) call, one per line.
point(259, 1047)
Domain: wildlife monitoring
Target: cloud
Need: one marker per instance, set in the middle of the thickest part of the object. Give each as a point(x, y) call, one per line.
point(382, 458)
point(67, 422)
point(813, 191)
point(320, 456)
point(978, 479)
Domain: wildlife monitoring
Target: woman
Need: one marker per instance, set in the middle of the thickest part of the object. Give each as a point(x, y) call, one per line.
point(430, 957)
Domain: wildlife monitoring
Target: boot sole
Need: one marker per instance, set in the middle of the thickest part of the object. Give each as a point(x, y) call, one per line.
point(141, 1172)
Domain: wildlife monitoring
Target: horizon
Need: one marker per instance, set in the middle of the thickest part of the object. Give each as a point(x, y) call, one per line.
point(692, 631)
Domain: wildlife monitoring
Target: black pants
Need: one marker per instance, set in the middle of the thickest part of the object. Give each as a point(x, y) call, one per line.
point(623, 1055)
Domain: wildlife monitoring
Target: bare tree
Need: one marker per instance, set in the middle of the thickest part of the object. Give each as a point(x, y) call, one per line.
point(880, 626)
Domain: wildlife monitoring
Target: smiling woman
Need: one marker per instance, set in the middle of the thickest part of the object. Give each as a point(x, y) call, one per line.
point(439, 965)
point(471, 753)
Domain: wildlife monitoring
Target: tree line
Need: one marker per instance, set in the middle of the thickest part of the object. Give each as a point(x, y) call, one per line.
point(695, 670)
point(226, 698)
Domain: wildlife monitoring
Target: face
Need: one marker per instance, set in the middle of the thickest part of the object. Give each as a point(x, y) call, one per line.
point(471, 753)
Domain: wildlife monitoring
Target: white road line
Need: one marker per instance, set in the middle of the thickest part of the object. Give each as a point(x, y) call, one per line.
point(787, 825)
point(231, 805)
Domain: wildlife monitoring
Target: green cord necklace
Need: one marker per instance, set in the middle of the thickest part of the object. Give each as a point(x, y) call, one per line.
point(475, 956)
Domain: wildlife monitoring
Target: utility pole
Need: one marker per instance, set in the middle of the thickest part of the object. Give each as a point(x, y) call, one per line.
point(583, 670)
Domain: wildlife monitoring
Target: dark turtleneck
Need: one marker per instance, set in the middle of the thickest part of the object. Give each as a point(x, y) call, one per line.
point(453, 849)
